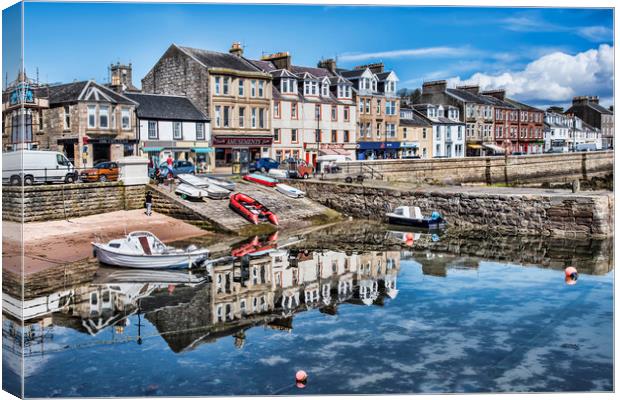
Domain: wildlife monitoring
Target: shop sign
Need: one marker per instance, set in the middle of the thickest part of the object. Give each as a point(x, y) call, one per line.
point(242, 141)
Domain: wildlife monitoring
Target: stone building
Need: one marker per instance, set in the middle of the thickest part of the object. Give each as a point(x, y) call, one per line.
point(90, 123)
point(313, 113)
point(448, 132)
point(415, 132)
point(227, 88)
point(475, 110)
point(592, 113)
point(23, 105)
point(531, 128)
point(378, 110)
point(172, 126)
point(505, 122)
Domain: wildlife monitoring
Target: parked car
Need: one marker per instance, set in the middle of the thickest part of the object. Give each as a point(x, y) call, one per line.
point(263, 164)
point(102, 172)
point(36, 166)
point(178, 167)
point(298, 169)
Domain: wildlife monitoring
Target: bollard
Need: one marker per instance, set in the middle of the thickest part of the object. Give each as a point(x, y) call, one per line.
point(576, 186)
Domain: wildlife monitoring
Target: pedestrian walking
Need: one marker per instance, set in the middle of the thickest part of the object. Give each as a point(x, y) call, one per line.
point(148, 203)
point(169, 160)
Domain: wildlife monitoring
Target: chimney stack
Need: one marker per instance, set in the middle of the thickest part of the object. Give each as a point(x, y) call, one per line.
point(329, 64)
point(236, 49)
point(497, 93)
point(473, 89)
point(585, 99)
point(434, 86)
point(281, 60)
point(375, 68)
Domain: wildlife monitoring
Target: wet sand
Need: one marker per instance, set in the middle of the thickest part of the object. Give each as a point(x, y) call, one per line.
point(51, 243)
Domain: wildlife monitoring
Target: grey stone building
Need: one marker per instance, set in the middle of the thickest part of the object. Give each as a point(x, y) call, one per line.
point(592, 113)
point(227, 88)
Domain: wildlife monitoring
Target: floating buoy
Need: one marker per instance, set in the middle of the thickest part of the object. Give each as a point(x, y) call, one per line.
point(570, 281)
point(409, 236)
point(300, 379)
point(571, 272)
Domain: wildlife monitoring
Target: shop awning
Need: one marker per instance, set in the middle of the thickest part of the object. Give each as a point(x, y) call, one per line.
point(377, 145)
point(473, 146)
point(495, 148)
point(152, 149)
point(203, 149)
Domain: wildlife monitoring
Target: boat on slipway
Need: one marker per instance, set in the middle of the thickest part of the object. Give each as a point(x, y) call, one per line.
point(261, 179)
point(207, 188)
point(221, 182)
point(289, 190)
point(251, 209)
point(142, 249)
point(412, 216)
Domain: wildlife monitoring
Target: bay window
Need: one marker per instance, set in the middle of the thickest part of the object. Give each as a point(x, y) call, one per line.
point(103, 116)
point(92, 116)
point(125, 119)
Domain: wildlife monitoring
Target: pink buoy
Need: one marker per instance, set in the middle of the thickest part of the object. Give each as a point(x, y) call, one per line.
point(301, 376)
point(570, 271)
point(570, 281)
point(409, 236)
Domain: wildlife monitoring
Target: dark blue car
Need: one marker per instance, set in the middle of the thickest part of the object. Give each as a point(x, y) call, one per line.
point(264, 164)
point(178, 167)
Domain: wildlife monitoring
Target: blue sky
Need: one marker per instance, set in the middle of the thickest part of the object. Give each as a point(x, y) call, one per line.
point(517, 48)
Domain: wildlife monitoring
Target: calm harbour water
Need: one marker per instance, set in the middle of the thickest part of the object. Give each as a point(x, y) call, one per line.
point(358, 321)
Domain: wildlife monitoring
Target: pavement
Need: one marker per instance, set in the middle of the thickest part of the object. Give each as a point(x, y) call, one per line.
point(51, 243)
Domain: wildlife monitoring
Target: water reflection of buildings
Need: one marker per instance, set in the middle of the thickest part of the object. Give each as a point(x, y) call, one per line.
point(186, 311)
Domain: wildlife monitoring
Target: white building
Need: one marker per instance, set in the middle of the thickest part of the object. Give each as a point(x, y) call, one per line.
point(172, 125)
point(564, 132)
point(448, 130)
point(313, 113)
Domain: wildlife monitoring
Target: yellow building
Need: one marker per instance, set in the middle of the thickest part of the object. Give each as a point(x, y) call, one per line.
point(415, 134)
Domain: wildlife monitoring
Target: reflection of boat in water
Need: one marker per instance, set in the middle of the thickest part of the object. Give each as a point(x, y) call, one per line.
point(145, 250)
point(255, 246)
point(412, 216)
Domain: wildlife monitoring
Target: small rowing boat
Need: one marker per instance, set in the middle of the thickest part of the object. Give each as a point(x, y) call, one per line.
point(144, 250)
point(187, 191)
point(208, 188)
point(289, 190)
point(251, 209)
point(278, 173)
point(412, 216)
point(221, 182)
point(261, 179)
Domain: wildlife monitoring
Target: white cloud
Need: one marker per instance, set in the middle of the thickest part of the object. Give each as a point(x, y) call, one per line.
point(442, 51)
point(596, 33)
point(554, 77)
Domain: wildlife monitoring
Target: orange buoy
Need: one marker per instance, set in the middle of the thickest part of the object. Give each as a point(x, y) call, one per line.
point(409, 236)
point(572, 272)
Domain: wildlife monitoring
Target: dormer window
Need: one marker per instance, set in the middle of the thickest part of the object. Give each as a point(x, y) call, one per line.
point(325, 90)
point(390, 86)
point(344, 91)
point(288, 86)
point(374, 85)
point(311, 88)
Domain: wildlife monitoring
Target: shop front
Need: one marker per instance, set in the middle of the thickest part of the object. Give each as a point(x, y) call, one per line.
point(409, 150)
point(377, 150)
point(239, 151)
point(198, 153)
point(97, 149)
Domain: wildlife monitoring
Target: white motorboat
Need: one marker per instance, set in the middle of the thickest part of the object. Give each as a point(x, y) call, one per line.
point(216, 192)
point(289, 190)
point(188, 191)
point(144, 250)
point(278, 173)
point(193, 180)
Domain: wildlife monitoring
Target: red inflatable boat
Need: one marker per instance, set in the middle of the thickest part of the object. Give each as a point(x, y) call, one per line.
point(255, 246)
point(251, 209)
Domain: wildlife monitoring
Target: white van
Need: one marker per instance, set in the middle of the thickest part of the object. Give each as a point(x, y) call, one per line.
point(36, 166)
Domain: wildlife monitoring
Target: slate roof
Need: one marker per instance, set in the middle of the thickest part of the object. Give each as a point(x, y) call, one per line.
point(468, 97)
point(70, 93)
point(596, 107)
point(166, 107)
point(522, 106)
point(316, 71)
point(214, 59)
point(383, 75)
point(352, 74)
point(263, 65)
point(416, 119)
point(497, 102)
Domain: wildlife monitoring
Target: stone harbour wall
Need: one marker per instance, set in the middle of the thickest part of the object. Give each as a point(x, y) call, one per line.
point(50, 202)
point(522, 212)
point(511, 170)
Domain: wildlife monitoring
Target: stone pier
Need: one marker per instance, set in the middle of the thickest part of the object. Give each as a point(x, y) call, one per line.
point(515, 211)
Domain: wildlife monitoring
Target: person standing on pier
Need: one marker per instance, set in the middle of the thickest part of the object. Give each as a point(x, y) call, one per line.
point(148, 203)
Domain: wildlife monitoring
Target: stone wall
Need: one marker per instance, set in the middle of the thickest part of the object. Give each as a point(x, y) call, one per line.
point(523, 212)
point(49, 202)
point(509, 170)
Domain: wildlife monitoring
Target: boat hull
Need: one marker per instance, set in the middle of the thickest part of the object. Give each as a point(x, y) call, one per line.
point(154, 261)
point(237, 202)
point(426, 223)
point(261, 180)
point(289, 191)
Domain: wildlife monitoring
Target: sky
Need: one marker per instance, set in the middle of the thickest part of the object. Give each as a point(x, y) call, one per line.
point(543, 56)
